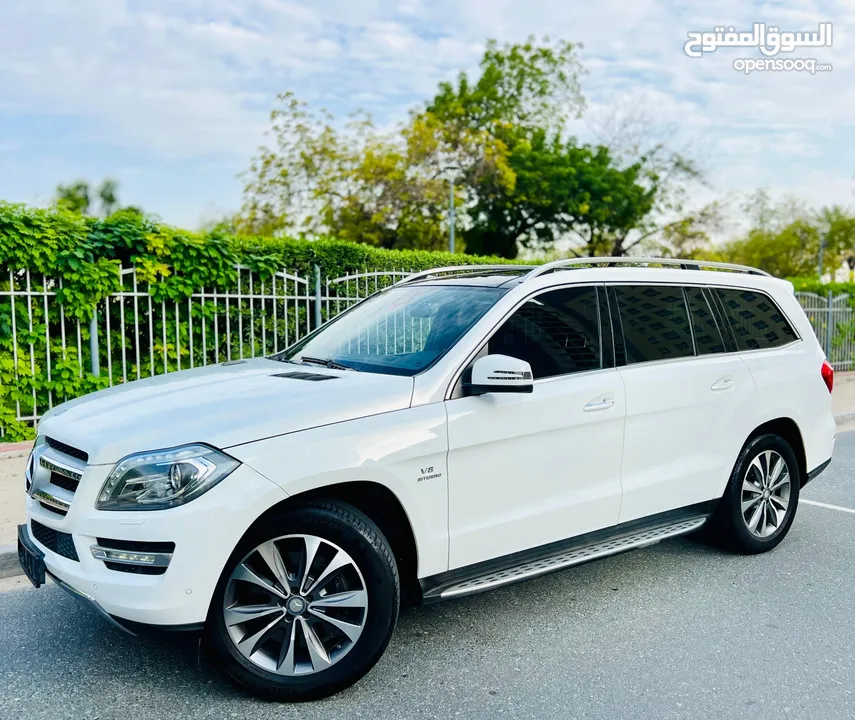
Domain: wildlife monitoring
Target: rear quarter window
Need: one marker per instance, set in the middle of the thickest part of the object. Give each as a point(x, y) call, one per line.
point(755, 319)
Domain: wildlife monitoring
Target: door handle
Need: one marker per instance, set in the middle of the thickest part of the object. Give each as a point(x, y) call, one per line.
point(723, 384)
point(604, 404)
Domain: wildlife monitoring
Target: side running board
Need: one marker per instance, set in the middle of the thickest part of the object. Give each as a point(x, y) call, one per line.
point(557, 556)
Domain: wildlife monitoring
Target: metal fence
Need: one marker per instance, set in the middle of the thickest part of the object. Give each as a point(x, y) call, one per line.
point(133, 334)
point(833, 321)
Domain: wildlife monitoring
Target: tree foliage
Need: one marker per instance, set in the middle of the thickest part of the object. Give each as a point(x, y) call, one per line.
point(784, 237)
point(518, 180)
point(78, 197)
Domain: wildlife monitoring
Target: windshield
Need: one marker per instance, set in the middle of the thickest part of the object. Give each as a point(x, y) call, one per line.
point(401, 331)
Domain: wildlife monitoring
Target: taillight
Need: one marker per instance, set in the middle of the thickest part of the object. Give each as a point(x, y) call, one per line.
point(827, 374)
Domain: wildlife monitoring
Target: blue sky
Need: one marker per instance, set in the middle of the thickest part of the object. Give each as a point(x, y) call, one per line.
point(171, 97)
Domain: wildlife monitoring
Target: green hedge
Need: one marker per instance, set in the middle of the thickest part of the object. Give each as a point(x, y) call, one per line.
point(811, 284)
point(78, 258)
point(84, 251)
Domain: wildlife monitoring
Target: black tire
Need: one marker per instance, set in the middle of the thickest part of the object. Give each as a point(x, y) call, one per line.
point(728, 528)
point(359, 537)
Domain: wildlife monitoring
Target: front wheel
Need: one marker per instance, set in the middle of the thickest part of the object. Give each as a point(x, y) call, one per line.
point(759, 504)
point(307, 603)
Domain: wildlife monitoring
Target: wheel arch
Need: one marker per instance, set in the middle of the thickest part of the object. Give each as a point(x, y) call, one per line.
point(383, 507)
point(786, 428)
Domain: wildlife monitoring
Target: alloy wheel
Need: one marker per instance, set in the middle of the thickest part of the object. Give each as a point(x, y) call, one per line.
point(765, 494)
point(295, 605)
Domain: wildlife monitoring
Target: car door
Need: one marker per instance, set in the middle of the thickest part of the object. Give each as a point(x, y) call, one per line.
point(684, 393)
point(526, 469)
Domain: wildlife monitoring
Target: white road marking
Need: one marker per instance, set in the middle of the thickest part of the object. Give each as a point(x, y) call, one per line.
point(826, 505)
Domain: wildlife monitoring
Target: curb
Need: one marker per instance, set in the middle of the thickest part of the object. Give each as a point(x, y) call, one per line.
point(844, 419)
point(9, 565)
point(11, 450)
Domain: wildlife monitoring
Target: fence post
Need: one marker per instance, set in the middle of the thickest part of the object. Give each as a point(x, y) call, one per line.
point(828, 326)
point(317, 297)
point(93, 342)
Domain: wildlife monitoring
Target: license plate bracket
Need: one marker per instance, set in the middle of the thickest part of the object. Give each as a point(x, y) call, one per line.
point(31, 558)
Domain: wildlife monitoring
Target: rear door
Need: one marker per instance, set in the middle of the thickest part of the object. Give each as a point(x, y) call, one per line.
point(684, 392)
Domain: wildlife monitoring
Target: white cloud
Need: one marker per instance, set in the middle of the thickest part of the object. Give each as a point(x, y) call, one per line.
point(180, 81)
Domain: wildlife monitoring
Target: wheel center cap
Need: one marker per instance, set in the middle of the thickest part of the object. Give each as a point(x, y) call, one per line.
point(295, 605)
point(766, 493)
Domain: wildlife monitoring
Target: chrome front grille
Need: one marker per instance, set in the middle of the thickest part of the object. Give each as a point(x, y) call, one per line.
point(54, 475)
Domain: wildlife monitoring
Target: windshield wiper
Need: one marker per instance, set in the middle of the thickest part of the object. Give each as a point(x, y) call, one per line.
point(325, 362)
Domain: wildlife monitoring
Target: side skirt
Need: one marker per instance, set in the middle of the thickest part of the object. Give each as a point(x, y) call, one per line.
point(564, 553)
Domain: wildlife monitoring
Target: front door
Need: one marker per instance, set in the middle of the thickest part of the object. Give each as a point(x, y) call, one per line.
point(525, 470)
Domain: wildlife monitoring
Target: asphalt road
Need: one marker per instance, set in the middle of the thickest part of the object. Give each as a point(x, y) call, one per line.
point(678, 630)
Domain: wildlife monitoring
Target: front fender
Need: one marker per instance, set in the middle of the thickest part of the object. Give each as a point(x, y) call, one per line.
point(405, 451)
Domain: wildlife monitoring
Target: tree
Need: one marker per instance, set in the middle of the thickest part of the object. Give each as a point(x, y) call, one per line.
point(784, 237)
point(524, 97)
point(665, 169)
point(74, 197)
point(381, 189)
point(689, 237)
point(521, 100)
point(108, 194)
point(524, 85)
point(837, 226)
point(560, 188)
point(520, 182)
point(790, 251)
point(77, 197)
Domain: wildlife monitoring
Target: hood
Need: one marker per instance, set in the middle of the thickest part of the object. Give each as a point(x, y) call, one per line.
point(221, 405)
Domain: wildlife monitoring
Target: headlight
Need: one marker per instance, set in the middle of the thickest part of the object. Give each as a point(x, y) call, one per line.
point(164, 478)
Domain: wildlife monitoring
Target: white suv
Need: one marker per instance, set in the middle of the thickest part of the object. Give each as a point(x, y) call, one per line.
point(465, 429)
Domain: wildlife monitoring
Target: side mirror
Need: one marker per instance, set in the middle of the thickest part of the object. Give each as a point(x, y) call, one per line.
point(499, 374)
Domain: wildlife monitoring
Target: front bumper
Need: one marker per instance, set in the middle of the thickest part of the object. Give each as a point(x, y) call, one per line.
point(205, 532)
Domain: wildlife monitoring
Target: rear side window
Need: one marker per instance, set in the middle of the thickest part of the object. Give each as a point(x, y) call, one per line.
point(708, 336)
point(655, 322)
point(756, 321)
point(557, 333)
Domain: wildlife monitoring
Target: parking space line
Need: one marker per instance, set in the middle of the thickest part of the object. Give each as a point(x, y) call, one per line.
point(826, 505)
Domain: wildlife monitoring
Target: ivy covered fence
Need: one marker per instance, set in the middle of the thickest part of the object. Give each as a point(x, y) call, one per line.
point(86, 303)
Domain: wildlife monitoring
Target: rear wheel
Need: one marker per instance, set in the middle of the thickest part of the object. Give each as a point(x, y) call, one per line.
point(759, 504)
point(307, 604)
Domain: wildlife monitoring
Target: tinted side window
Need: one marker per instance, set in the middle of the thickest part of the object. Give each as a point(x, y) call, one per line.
point(708, 337)
point(755, 320)
point(655, 322)
point(557, 333)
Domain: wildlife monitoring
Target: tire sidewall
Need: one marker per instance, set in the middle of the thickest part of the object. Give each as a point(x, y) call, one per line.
point(381, 583)
point(744, 539)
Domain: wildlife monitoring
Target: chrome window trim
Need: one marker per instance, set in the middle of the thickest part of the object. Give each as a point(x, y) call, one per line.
point(456, 376)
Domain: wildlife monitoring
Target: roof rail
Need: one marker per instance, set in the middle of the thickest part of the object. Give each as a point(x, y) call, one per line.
point(572, 263)
point(457, 269)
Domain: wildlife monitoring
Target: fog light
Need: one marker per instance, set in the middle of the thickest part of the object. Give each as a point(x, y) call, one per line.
point(129, 557)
